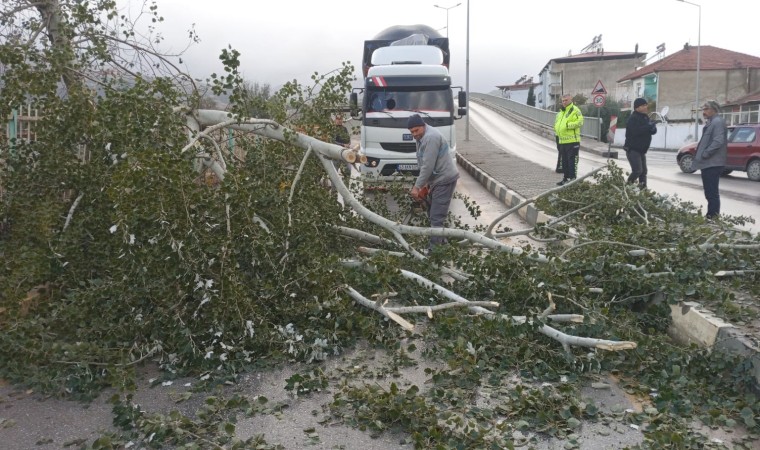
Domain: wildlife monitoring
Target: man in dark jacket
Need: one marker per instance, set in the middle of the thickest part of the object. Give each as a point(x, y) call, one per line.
point(638, 137)
point(711, 156)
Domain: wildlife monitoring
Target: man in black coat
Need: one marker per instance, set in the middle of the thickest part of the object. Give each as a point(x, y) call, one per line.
point(638, 137)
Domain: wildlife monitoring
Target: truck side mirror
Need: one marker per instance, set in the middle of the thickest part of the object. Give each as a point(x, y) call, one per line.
point(462, 99)
point(462, 112)
point(353, 103)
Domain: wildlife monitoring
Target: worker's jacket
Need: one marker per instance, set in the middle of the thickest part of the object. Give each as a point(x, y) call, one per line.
point(567, 124)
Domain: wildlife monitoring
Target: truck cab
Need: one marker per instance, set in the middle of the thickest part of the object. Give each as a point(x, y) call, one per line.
point(404, 77)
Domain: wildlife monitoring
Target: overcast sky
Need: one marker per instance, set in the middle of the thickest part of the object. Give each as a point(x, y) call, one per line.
point(281, 40)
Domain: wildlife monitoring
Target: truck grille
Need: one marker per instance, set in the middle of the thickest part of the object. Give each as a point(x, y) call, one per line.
point(399, 147)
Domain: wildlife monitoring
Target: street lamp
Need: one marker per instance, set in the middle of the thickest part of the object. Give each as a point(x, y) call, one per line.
point(447, 15)
point(467, 78)
point(699, 45)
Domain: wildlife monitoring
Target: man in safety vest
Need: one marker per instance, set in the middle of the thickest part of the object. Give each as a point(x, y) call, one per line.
point(567, 128)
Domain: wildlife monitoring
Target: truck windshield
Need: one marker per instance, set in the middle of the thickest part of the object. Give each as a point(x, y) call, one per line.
point(396, 99)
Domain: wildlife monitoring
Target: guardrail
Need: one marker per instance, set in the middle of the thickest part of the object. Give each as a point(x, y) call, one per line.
point(592, 126)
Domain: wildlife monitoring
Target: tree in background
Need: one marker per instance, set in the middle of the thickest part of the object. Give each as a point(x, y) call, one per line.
point(579, 99)
point(257, 96)
point(531, 97)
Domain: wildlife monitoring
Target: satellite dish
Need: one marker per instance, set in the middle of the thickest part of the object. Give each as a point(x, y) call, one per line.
point(664, 111)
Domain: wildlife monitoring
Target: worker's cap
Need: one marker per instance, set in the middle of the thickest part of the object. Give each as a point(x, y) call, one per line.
point(638, 102)
point(415, 121)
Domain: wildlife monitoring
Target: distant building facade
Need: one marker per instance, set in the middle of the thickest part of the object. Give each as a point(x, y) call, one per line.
point(518, 91)
point(579, 74)
point(728, 77)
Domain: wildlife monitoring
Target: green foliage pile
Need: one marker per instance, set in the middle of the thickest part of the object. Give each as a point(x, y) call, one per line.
point(621, 223)
point(130, 254)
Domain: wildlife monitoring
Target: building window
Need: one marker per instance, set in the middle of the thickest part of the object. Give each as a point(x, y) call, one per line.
point(744, 114)
point(753, 113)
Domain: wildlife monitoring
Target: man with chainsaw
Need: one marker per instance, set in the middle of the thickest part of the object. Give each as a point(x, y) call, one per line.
point(438, 173)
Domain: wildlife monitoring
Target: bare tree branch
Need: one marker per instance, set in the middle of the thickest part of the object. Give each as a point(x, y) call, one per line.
point(533, 199)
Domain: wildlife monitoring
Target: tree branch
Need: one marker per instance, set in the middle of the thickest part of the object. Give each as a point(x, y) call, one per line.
point(533, 199)
point(565, 339)
point(71, 211)
point(621, 244)
point(364, 236)
point(364, 301)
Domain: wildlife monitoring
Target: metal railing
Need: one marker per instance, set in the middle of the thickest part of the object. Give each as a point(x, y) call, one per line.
point(592, 126)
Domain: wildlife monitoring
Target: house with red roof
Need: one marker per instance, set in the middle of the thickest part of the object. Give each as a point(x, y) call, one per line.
point(728, 77)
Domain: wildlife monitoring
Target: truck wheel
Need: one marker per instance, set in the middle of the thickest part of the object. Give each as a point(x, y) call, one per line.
point(753, 170)
point(685, 163)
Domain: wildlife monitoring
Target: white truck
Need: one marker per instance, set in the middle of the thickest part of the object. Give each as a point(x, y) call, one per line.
point(405, 72)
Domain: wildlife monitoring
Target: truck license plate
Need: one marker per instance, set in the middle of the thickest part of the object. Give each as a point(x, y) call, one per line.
point(407, 167)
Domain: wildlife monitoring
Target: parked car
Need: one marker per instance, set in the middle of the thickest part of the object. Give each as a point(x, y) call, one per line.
point(743, 151)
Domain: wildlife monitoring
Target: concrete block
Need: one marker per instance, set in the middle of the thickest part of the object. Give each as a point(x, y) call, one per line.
point(693, 324)
point(735, 340)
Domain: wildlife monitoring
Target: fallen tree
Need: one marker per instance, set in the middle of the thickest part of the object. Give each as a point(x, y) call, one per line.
point(133, 232)
point(203, 122)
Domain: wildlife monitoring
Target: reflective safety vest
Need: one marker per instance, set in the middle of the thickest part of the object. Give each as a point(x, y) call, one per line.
point(568, 123)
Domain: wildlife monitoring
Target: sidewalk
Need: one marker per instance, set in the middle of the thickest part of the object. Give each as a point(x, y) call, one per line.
point(513, 179)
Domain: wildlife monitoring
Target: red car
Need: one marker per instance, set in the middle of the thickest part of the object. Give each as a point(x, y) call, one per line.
point(743, 151)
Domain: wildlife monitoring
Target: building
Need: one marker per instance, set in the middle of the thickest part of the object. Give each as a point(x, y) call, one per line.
point(743, 110)
point(724, 76)
point(518, 91)
point(579, 74)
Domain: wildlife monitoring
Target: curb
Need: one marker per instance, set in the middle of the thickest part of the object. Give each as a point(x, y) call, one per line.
point(510, 198)
point(691, 322)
